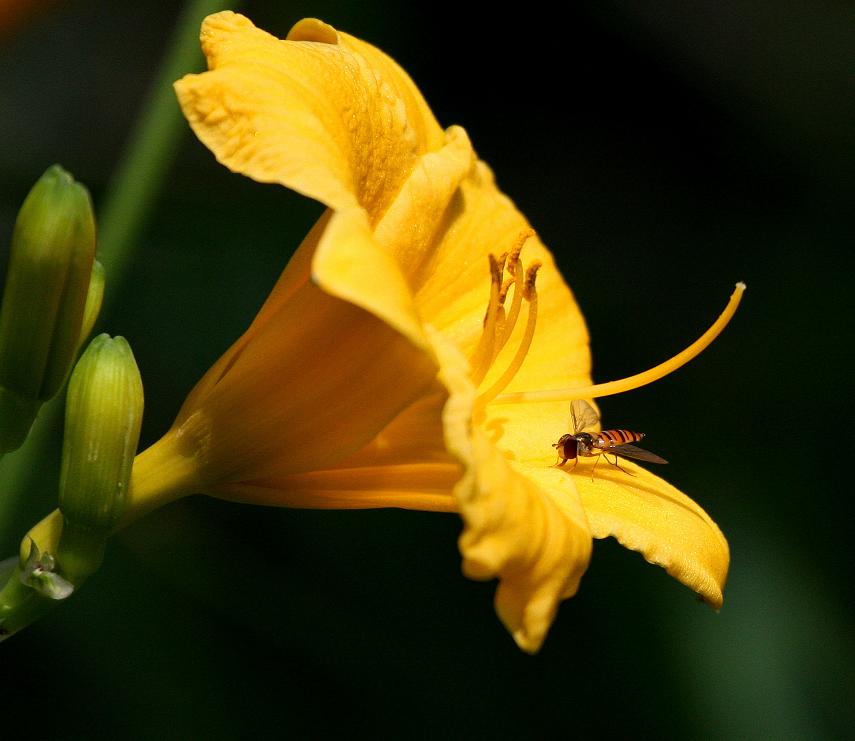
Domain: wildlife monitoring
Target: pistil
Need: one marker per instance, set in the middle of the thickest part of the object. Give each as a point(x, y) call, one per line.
point(639, 379)
point(484, 353)
point(515, 280)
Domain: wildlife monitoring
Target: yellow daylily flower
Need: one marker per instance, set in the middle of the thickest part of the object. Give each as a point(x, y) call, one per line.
point(393, 364)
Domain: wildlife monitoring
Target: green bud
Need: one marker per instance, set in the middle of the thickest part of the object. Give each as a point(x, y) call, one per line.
point(103, 415)
point(47, 282)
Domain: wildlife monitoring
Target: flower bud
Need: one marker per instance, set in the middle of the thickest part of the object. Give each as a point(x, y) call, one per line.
point(102, 426)
point(47, 282)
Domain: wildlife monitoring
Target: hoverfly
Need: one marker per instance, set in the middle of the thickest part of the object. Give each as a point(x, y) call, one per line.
point(590, 444)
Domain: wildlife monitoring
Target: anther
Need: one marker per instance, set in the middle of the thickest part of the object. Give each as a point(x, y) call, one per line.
point(530, 277)
point(514, 256)
point(496, 271)
point(497, 267)
point(484, 352)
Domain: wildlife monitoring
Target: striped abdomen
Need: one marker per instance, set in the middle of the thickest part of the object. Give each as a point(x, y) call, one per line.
point(608, 439)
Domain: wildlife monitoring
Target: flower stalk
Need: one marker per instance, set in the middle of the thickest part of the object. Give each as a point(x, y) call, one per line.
point(102, 426)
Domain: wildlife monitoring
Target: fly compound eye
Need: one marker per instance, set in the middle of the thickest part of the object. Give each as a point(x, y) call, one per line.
point(563, 439)
point(568, 446)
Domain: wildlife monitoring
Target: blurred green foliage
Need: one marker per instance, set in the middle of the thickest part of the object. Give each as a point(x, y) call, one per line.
point(663, 151)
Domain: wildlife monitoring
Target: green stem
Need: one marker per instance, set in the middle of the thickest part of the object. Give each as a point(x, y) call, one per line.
point(14, 595)
point(19, 468)
point(134, 189)
point(80, 552)
point(26, 614)
point(154, 142)
point(21, 606)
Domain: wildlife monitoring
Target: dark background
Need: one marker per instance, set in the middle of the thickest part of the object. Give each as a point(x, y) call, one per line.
point(664, 150)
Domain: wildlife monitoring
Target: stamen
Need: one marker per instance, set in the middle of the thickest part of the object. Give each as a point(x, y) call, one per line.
point(506, 286)
point(530, 276)
point(514, 311)
point(501, 328)
point(638, 380)
point(517, 282)
point(514, 255)
point(530, 294)
point(497, 269)
point(483, 355)
point(498, 325)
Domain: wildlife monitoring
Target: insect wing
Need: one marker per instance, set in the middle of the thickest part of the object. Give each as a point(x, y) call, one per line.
point(640, 454)
point(583, 416)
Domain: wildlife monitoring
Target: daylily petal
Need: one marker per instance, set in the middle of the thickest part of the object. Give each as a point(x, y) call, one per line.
point(417, 486)
point(351, 265)
point(406, 465)
point(526, 432)
point(383, 154)
point(539, 564)
point(321, 113)
point(295, 275)
point(353, 261)
point(428, 202)
point(314, 379)
point(276, 403)
point(648, 515)
point(522, 524)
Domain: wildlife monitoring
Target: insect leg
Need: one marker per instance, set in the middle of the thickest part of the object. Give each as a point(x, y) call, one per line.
point(597, 457)
point(564, 460)
point(618, 466)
